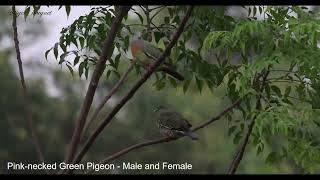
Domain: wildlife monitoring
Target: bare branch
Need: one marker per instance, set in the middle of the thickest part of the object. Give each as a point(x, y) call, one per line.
point(285, 80)
point(107, 97)
point(164, 139)
point(133, 90)
point(239, 154)
point(99, 68)
point(28, 105)
point(236, 103)
point(133, 147)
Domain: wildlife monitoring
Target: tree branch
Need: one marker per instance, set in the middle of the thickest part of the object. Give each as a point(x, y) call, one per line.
point(99, 68)
point(285, 80)
point(133, 90)
point(107, 97)
point(239, 154)
point(28, 104)
point(163, 139)
point(147, 12)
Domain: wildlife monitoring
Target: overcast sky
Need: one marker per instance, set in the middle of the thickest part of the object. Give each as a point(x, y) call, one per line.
point(53, 23)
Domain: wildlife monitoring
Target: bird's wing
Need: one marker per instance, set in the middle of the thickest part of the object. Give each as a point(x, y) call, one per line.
point(177, 122)
point(153, 52)
point(187, 123)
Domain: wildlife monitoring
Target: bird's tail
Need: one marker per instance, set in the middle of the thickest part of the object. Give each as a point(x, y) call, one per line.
point(191, 135)
point(171, 72)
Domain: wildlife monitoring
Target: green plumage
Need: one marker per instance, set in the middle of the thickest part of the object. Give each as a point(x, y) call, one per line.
point(173, 124)
point(146, 54)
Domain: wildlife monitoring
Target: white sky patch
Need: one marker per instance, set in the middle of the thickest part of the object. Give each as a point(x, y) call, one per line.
point(35, 52)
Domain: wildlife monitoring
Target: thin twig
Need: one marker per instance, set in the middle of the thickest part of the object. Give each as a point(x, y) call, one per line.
point(282, 70)
point(154, 15)
point(108, 96)
point(236, 103)
point(288, 72)
point(239, 154)
point(135, 24)
point(133, 90)
point(163, 139)
point(28, 104)
point(296, 99)
point(99, 68)
point(151, 9)
point(286, 80)
point(155, 27)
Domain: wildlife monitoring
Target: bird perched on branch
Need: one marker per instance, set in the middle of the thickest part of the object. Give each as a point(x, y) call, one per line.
point(147, 54)
point(173, 124)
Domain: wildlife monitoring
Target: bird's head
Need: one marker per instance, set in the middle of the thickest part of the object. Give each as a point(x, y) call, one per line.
point(158, 108)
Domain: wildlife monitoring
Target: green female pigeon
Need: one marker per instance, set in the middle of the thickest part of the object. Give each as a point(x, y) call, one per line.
point(173, 124)
point(147, 54)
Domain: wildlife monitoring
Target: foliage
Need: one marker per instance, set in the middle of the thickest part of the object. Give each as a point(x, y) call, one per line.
point(270, 44)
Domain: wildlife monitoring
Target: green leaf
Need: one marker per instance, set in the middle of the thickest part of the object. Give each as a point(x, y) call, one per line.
point(199, 83)
point(91, 41)
point(316, 122)
point(260, 148)
point(81, 40)
point(157, 36)
point(286, 100)
point(116, 61)
point(70, 69)
point(63, 47)
point(167, 20)
point(116, 73)
point(140, 17)
point(176, 19)
point(277, 90)
point(271, 158)
point(112, 63)
point(232, 129)
point(160, 85)
point(108, 74)
point(254, 11)
point(172, 81)
point(26, 13)
point(76, 60)
point(46, 53)
point(267, 89)
point(86, 73)
point(62, 57)
point(186, 85)
point(287, 91)
point(81, 67)
point(35, 9)
point(260, 9)
point(237, 138)
point(55, 50)
point(74, 41)
point(68, 8)
point(126, 42)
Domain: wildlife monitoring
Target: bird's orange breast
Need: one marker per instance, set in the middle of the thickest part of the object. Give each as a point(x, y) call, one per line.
point(134, 50)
